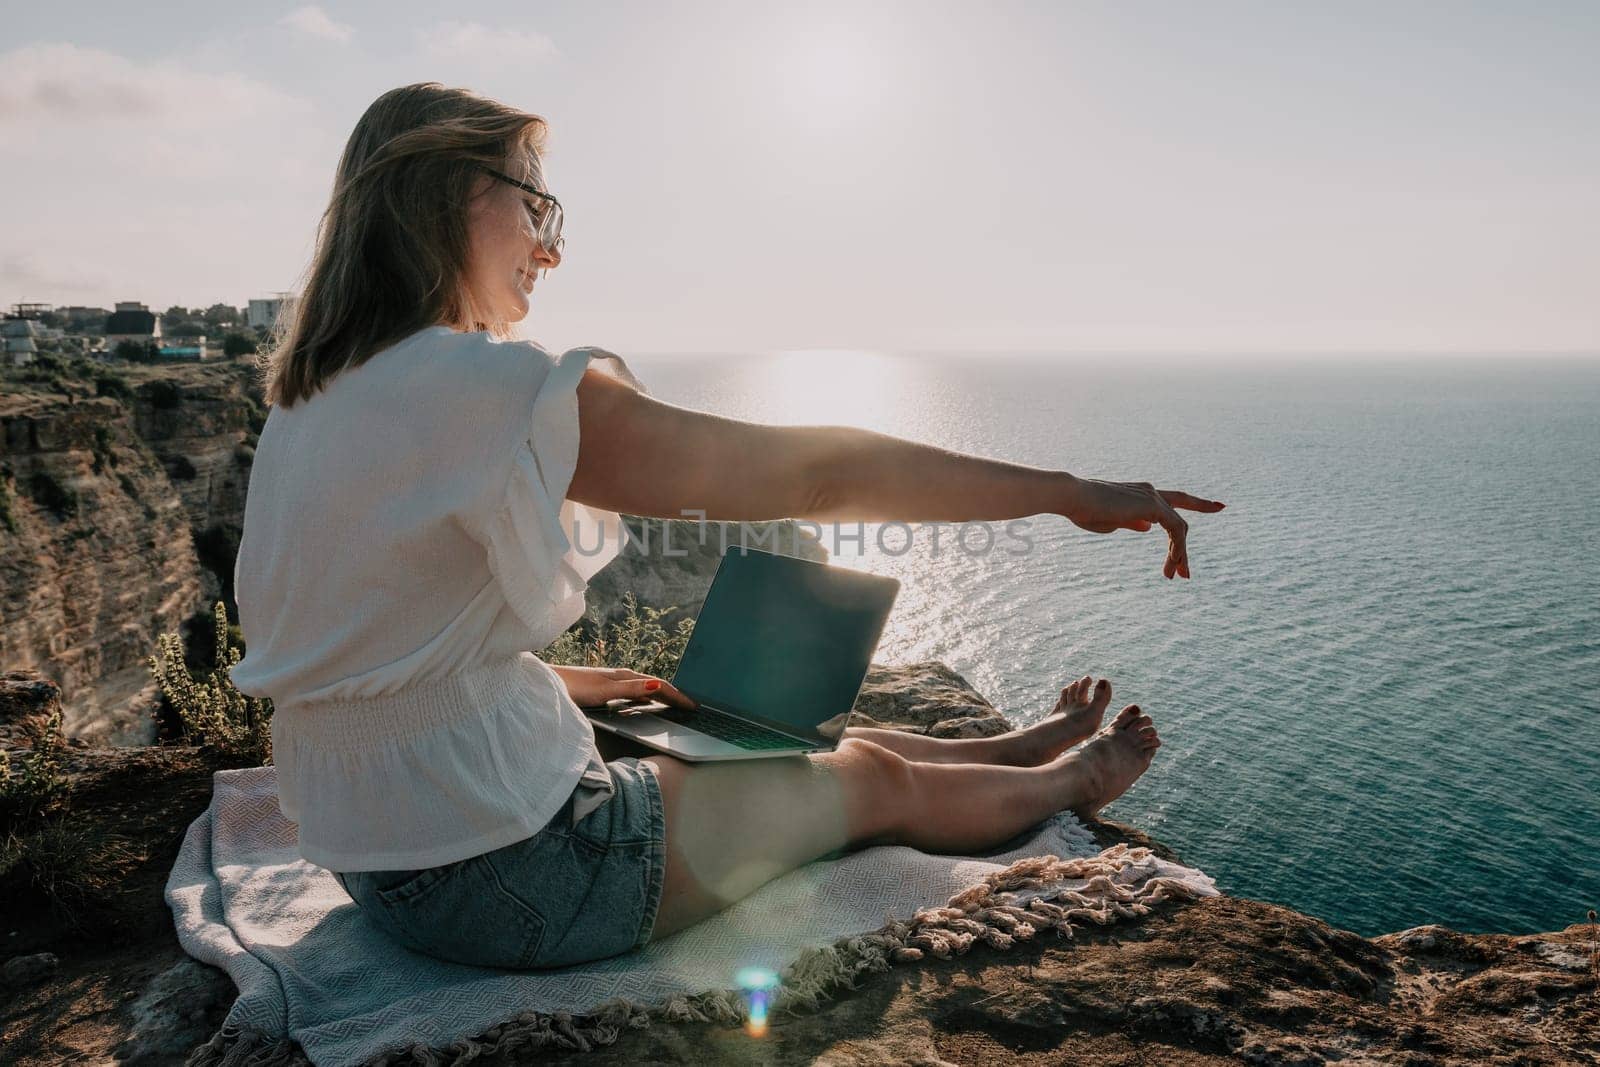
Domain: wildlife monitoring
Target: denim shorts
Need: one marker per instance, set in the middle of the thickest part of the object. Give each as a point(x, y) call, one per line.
point(571, 893)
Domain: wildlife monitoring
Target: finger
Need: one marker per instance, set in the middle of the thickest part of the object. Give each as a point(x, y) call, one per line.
point(671, 694)
point(641, 688)
point(1177, 541)
point(1189, 501)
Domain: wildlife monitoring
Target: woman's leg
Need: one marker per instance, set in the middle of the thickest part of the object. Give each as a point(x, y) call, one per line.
point(732, 827)
point(1075, 717)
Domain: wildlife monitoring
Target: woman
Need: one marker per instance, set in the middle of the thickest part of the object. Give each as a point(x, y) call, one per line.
point(421, 515)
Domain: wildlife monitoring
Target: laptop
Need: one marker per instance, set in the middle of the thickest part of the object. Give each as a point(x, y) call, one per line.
point(776, 660)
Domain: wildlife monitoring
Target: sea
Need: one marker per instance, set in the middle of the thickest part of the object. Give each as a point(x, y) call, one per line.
point(1379, 694)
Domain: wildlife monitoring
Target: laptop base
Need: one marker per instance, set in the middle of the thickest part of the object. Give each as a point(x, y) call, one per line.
point(684, 742)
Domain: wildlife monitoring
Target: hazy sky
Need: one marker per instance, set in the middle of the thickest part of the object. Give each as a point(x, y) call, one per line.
point(756, 177)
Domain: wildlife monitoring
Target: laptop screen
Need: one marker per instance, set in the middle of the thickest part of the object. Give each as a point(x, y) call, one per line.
point(785, 641)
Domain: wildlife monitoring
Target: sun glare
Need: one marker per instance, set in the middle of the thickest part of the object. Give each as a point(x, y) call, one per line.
point(834, 386)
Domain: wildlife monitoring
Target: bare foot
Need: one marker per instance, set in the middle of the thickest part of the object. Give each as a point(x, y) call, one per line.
point(1102, 770)
point(1075, 717)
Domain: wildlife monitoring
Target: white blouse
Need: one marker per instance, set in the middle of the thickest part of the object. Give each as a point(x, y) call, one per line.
point(407, 545)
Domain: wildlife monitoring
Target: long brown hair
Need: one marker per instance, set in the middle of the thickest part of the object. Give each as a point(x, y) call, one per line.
point(391, 250)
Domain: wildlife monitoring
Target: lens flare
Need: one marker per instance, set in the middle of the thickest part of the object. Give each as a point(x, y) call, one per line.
point(759, 987)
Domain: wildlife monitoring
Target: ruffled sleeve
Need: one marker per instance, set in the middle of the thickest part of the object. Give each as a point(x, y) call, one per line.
point(542, 547)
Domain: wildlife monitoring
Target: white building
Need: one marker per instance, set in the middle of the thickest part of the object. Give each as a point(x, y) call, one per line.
point(265, 312)
point(17, 341)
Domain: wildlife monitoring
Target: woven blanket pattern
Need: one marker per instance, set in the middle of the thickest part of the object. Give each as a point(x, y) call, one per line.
point(312, 972)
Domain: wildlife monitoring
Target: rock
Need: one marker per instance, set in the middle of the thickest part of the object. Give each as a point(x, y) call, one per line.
point(29, 970)
point(27, 700)
point(174, 1013)
point(104, 501)
point(925, 698)
point(1573, 956)
point(1217, 981)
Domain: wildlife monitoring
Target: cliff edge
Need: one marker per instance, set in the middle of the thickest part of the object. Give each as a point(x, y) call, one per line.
point(98, 976)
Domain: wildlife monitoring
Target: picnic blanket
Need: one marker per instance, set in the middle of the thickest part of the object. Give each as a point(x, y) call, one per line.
point(317, 981)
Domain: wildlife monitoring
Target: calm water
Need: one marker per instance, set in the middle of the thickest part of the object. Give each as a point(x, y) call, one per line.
point(1379, 693)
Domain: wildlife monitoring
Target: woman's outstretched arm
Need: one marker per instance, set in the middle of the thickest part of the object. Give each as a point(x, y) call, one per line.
point(643, 456)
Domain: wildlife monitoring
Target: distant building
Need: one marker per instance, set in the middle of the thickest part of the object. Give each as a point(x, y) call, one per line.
point(17, 341)
point(27, 311)
point(85, 321)
point(265, 312)
point(132, 321)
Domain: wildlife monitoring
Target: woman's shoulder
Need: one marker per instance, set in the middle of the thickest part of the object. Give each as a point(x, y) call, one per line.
point(485, 351)
point(479, 367)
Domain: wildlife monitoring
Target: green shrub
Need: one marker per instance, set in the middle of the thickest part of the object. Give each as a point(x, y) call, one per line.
point(28, 790)
point(637, 641)
point(211, 711)
point(162, 394)
point(113, 386)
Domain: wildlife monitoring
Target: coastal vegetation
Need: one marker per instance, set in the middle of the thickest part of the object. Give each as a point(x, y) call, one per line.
point(29, 786)
point(212, 713)
point(637, 640)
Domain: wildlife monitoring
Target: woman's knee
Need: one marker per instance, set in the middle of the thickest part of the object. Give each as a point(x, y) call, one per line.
point(884, 788)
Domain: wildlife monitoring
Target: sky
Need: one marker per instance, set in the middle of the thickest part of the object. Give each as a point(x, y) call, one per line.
point(760, 177)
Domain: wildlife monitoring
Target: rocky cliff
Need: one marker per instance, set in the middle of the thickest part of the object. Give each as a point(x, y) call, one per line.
point(121, 497)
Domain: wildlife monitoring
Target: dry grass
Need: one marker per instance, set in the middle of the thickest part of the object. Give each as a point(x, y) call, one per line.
point(67, 861)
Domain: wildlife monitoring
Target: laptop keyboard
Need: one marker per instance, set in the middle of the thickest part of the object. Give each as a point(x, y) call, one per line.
point(727, 728)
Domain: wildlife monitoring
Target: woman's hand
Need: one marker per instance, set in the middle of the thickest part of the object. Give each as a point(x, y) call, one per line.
point(1101, 507)
point(590, 687)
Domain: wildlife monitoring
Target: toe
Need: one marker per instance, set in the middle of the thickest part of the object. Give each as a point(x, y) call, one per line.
point(1126, 715)
point(1138, 722)
point(1102, 694)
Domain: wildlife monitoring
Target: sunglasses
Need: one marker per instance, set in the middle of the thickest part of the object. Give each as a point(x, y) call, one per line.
point(547, 223)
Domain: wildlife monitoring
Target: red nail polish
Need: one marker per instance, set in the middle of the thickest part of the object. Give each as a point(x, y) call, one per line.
point(652, 685)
